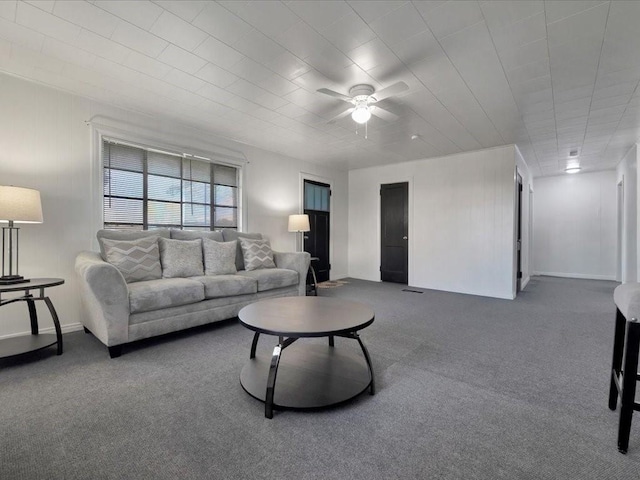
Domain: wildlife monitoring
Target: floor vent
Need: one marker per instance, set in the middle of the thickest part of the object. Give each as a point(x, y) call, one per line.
point(411, 291)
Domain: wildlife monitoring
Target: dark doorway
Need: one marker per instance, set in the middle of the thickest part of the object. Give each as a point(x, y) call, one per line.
point(394, 226)
point(519, 234)
point(317, 204)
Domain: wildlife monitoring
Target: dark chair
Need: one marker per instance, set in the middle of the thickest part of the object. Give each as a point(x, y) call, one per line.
point(626, 346)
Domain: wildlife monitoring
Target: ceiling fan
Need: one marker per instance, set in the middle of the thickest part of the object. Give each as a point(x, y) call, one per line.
point(363, 98)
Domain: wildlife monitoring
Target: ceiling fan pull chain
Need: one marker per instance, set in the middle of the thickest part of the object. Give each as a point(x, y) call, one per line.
point(366, 130)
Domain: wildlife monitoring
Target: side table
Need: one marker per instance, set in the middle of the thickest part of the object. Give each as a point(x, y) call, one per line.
point(36, 341)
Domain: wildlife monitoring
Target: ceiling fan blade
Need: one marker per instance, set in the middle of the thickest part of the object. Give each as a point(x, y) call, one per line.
point(331, 93)
point(383, 114)
point(390, 91)
point(341, 115)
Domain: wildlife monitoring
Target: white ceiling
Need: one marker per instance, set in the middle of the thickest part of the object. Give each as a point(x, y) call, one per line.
point(550, 76)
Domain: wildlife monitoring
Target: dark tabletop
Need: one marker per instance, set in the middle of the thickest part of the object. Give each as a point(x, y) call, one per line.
point(32, 284)
point(306, 316)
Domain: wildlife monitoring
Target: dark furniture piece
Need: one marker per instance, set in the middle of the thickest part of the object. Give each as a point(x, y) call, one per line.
point(312, 279)
point(310, 375)
point(36, 341)
point(626, 346)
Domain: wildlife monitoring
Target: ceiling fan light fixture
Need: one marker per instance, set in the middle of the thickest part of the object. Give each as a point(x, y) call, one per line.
point(362, 99)
point(361, 114)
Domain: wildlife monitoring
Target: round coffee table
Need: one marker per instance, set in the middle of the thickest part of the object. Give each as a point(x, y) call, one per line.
point(310, 376)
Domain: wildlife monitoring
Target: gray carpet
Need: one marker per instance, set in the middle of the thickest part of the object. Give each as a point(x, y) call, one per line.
point(468, 388)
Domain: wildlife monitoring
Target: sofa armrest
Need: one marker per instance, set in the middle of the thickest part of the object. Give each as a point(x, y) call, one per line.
point(297, 261)
point(105, 298)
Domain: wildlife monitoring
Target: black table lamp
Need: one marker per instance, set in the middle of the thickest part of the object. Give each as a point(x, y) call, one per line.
point(17, 205)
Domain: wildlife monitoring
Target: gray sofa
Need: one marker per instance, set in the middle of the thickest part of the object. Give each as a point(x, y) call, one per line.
point(117, 312)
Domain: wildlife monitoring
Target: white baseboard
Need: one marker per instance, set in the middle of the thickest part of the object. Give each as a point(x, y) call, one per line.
point(74, 327)
point(582, 276)
point(525, 282)
point(338, 276)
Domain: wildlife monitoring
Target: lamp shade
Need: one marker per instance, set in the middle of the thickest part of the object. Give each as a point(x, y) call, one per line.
point(361, 114)
point(299, 223)
point(20, 205)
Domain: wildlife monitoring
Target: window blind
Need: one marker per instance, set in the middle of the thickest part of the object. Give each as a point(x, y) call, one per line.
point(146, 189)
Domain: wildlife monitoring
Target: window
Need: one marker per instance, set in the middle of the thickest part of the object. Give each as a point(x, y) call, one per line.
point(145, 189)
point(316, 196)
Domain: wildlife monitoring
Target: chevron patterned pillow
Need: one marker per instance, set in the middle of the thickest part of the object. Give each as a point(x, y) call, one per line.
point(137, 260)
point(257, 254)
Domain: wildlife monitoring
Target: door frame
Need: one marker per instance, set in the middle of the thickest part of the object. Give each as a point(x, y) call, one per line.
point(316, 178)
point(620, 254)
point(409, 181)
point(519, 230)
point(531, 239)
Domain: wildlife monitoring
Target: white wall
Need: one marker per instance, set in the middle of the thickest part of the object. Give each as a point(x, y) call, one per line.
point(461, 221)
point(575, 225)
point(45, 144)
point(627, 173)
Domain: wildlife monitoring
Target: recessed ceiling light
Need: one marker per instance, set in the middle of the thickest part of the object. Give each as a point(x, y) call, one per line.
point(572, 169)
point(414, 137)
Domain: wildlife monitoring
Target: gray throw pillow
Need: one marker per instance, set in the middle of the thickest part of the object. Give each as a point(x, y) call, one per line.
point(230, 235)
point(257, 254)
point(219, 257)
point(177, 234)
point(128, 235)
point(181, 258)
point(137, 260)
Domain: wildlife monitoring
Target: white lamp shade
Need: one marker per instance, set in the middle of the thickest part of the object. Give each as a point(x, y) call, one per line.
point(361, 114)
point(20, 205)
point(299, 223)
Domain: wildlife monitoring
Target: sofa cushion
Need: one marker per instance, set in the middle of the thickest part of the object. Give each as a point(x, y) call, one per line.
point(270, 278)
point(177, 234)
point(137, 260)
point(216, 286)
point(230, 235)
point(127, 235)
point(181, 258)
point(219, 257)
point(257, 254)
point(163, 293)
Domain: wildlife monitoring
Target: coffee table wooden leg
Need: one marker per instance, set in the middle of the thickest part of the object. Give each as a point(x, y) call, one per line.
point(254, 344)
point(271, 381)
point(372, 386)
point(331, 341)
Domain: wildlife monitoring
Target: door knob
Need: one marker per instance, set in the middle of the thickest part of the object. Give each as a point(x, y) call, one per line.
point(405, 238)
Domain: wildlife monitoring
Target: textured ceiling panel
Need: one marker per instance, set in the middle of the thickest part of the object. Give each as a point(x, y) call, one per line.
point(550, 76)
